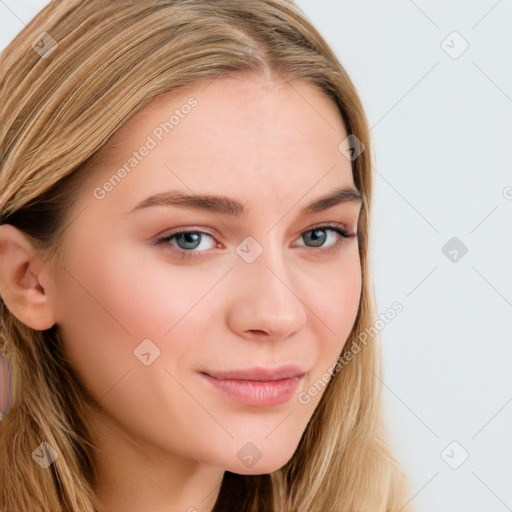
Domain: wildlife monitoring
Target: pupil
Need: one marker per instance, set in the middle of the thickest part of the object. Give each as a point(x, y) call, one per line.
point(318, 240)
point(190, 238)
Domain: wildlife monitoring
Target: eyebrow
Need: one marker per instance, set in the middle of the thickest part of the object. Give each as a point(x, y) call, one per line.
point(229, 206)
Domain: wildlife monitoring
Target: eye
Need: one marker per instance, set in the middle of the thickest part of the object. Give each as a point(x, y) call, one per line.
point(318, 235)
point(185, 243)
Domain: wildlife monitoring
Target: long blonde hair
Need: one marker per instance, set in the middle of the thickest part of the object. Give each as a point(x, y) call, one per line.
point(104, 61)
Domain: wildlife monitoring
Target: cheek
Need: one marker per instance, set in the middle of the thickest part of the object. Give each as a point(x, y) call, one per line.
point(117, 297)
point(335, 308)
point(336, 304)
point(127, 292)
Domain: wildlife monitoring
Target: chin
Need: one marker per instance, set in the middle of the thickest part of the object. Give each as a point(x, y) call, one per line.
point(257, 470)
point(263, 466)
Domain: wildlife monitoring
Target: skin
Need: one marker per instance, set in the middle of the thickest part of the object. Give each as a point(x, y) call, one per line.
point(165, 436)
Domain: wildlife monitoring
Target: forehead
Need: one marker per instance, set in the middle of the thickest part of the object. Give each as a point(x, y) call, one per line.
point(247, 138)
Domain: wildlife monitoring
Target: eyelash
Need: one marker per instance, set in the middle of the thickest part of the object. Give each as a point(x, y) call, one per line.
point(183, 254)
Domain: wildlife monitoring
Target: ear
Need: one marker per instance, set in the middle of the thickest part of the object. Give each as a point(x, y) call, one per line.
point(21, 280)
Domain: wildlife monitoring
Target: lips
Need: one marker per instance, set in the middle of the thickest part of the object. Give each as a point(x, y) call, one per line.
point(257, 387)
point(260, 374)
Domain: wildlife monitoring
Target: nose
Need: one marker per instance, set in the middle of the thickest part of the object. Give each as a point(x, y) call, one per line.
point(266, 301)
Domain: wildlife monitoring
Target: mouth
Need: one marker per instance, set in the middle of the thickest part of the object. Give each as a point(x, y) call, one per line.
point(257, 387)
point(260, 374)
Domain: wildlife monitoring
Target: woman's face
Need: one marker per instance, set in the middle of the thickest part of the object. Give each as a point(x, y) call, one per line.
point(145, 318)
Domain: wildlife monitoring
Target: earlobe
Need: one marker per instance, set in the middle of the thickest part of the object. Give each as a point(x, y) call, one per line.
point(21, 272)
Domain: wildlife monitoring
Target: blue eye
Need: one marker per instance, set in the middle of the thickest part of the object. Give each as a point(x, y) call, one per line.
point(187, 242)
point(187, 239)
point(318, 240)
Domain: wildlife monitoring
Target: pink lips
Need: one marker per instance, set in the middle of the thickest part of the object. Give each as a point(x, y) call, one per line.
point(260, 387)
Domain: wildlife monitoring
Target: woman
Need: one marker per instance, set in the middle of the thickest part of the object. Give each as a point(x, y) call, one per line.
point(152, 371)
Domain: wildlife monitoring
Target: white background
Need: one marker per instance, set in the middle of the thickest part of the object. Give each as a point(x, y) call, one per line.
point(441, 127)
